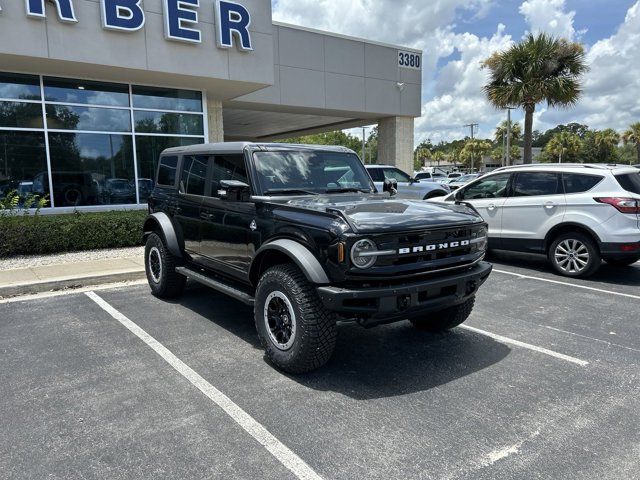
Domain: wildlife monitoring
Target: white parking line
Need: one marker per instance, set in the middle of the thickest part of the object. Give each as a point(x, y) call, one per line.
point(284, 455)
point(611, 344)
point(557, 282)
point(528, 346)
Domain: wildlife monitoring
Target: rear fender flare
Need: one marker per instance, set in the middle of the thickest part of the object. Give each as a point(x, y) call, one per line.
point(161, 222)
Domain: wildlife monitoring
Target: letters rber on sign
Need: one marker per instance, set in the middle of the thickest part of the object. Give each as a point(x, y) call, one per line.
point(232, 20)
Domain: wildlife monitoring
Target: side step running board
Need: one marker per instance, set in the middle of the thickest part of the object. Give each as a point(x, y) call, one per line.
point(216, 285)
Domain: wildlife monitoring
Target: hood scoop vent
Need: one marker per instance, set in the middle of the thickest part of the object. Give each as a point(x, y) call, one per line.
point(381, 207)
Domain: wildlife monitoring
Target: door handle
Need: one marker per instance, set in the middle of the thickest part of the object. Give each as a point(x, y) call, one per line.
point(549, 205)
point(492, 207)
point(206, 216)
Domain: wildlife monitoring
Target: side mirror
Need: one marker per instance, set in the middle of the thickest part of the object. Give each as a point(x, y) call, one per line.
point(234, 191)
point(459, 195)
point(390, 185)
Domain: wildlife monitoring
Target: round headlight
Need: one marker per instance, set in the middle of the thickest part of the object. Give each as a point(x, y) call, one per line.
point(363, 253)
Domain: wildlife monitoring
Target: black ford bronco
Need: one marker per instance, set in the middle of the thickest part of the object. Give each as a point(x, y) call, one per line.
point(301, 233)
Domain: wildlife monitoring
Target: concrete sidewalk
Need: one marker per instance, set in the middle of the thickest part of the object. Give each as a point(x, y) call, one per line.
point(70, 274)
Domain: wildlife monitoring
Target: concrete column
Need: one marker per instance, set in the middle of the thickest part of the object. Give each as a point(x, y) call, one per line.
point(395, 142)
point(214, 118)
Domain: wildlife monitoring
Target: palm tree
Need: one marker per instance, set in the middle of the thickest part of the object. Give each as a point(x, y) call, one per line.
point(475, 149)
point(438, 157)
point(606, 141)
point(501, 131)
point(564, 144)
point(539, 69)
point(633, 136)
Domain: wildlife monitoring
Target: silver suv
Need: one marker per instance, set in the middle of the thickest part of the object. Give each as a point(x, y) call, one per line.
point(408, 187)
point(576, 214)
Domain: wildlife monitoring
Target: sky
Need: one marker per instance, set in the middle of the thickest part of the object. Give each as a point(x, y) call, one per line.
point(457, 35)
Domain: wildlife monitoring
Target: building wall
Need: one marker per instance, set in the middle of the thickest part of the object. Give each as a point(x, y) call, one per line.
point(316, 71)
point(86, 50)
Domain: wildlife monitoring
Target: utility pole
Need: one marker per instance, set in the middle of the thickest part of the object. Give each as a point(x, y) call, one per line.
point(364, 145)
point(504, 149)
point(473, 127)
point(509, 135)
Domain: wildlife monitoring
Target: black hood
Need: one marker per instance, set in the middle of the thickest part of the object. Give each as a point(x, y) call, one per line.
point(378, 213)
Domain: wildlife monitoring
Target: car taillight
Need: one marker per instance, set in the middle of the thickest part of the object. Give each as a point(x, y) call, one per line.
point(624, 205)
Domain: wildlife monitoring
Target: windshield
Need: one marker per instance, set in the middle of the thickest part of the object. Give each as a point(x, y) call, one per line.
point(306, 172)
point(466, 178)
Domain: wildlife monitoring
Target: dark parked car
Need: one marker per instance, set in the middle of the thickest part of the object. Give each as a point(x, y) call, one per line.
point(303, 235)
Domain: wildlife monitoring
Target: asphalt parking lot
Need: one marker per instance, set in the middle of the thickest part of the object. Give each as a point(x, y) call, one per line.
point(118, 384)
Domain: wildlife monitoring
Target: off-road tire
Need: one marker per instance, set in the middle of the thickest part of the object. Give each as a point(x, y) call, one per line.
point(315, 327)
point(621, 262)
point(165, 283)
point(594, 258)
point(445, 319)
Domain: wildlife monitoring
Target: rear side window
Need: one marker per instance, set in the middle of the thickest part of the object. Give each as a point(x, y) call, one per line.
point(397, 175)
point(194, 175)
point(578, 183)
point(530, 184)
point(630, 182)
point(167, 171)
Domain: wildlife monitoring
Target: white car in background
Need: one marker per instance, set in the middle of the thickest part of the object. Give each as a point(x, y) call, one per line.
point(576, 214)
point(458, 182)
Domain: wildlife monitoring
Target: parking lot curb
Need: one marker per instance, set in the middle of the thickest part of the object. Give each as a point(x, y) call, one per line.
point(29, 288)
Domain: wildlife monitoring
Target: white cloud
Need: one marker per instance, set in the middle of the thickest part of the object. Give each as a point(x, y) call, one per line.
point(549, 16)
point(612, 85)
point(453, 95)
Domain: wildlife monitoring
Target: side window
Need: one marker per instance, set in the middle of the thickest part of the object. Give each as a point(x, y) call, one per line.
point(490, 187)
point(194, 175)
point(167, 171)
point(578, 183)
point(376, 174)
point(396, 174)
point(530, 184)
point(227, 167)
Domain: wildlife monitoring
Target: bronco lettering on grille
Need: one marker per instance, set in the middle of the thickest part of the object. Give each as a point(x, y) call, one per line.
point(434, 247)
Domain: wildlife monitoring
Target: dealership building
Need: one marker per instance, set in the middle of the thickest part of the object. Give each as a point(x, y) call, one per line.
point(91, 91)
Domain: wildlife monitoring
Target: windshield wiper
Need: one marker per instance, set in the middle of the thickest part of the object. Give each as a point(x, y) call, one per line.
point(348, 190)
point(289, 191)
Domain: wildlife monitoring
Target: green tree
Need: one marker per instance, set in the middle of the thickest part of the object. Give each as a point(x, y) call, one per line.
point(632, 137)
point(337, 137)
point(420, 155)
point(438, 157)
point(564, 146)
point(474, 151)
point(501, 130)
point(607, 142)
point(497, 154)
point(539, 69)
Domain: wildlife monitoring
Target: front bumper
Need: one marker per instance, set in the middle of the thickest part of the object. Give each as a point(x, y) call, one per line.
point(373, 306)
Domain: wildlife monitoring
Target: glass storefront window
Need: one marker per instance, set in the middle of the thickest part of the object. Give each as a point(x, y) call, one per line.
point(21, 115)
point(148, 150)
point(92, 169)
point(23, 163)
point(19, 87)
point(91, 137)
point(171, 123)
point(85, 92)
point(167, 99)
point(64, 117)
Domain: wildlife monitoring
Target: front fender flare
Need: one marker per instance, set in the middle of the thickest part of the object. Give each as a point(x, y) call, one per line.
point(301, 255)
point(161, 221)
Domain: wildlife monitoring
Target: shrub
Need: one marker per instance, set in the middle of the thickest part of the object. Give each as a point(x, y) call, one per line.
point(42, 234)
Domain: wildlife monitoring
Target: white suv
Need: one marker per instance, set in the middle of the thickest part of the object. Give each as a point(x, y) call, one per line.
point(576, 214)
